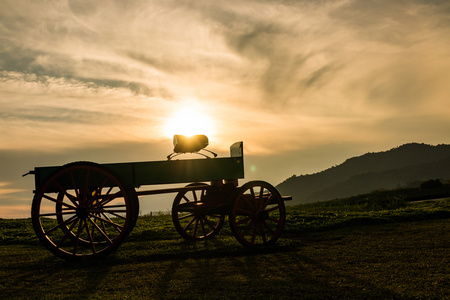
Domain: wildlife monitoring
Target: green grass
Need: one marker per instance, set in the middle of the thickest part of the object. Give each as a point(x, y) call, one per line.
point(325, 252)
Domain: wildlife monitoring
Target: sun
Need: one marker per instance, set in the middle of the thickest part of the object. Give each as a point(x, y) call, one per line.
point(189, 119)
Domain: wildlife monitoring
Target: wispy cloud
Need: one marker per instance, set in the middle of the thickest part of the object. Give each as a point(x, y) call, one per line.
point(323, 59)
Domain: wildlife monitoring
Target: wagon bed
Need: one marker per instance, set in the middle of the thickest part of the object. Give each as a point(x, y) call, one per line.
point(137, 174)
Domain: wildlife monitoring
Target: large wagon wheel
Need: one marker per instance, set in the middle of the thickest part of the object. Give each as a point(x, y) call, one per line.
point(83, 211)
point(257, 215)
point(190, 220)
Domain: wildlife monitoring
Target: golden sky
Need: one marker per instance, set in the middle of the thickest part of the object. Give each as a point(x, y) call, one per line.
point(305, 84)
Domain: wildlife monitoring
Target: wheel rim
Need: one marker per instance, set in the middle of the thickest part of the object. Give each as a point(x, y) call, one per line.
point(192, 223)
point(258, 214)
point(83, 211)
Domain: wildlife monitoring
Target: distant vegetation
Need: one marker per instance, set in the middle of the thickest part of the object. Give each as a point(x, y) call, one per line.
point(387, 199)
point(404, 167)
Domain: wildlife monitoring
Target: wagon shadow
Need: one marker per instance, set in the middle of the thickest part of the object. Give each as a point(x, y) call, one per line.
point(46, 276)
point(280, 272)
point(215, 248)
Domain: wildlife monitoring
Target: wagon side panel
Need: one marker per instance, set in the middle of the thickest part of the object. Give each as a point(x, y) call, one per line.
point(80, 178)
point(194, 170)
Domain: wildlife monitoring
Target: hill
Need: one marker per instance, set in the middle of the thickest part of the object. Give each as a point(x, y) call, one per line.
point(404, 166)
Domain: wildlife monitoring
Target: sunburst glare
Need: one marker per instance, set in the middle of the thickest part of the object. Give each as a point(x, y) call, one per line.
point(189, 119)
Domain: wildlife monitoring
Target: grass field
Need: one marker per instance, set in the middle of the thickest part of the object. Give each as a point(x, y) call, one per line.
point(325, 252)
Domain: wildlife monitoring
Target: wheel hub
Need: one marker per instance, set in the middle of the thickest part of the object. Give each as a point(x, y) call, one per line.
point(262, 215)
point(82, 212)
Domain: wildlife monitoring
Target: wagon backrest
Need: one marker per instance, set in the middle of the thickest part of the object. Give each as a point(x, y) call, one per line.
point(237, 149)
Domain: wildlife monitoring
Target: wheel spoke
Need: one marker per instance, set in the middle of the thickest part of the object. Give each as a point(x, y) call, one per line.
point(111, 211)
point(77, 238)
point(58, 201)
point(195, 196)
point(109, 190)
point(268, 228)
point(274, 220)
point(114, 214)
point(190, 223)
point(208, 222)
point(110, 208)
point(269, 199)
point(260, 197)
point(195, 228)
point(215, 216)
point(110, 222)
point(248, 227)
point(185, 217)
point(64, 191)
point(272, 209)
point(103, 223)
point(113, 206)
point(57, 214)
point(203, 226)
point(98, 192)
point(244, 211)
point(89, 234)
point(252, 200)
point(100, 230)
point(67, 233)
point(103, 185)
point(105, 199)
point(243, 220)
point(60, 225)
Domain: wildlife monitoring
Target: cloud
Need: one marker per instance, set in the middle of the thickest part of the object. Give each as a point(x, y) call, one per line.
point(318, 59)
point(40, 111)
point(5, 189)
point(398, 23)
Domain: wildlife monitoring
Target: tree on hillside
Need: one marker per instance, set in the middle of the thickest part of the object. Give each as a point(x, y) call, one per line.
point(431, 184)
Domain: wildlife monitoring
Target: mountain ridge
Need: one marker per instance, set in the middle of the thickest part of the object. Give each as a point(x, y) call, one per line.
point(398, 167)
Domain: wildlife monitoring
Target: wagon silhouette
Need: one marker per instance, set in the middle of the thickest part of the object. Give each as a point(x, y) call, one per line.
point(85, 210)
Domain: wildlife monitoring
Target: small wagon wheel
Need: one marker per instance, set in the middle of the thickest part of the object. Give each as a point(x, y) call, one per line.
point(257, 215)
point(83, 211)
point(191, 222)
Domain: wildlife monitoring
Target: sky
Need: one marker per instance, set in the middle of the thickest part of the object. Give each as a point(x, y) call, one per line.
point(304, 84)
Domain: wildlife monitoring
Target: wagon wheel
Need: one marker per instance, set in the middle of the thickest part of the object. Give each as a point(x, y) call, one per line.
point(258, 215)
point(192, 223)
point(62, 218)
point(83, 211)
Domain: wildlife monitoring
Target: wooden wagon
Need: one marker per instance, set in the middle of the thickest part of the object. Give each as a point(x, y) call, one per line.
point(84, 210)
